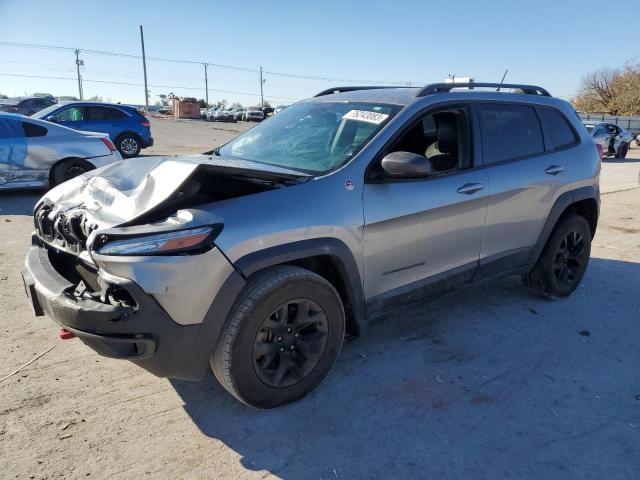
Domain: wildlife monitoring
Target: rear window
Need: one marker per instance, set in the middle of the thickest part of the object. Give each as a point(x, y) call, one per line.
point(561, 133)
point(509, 132)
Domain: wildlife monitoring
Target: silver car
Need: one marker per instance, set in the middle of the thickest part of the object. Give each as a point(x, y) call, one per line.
point(613, 140)
point(36, 153)
point(257, 257)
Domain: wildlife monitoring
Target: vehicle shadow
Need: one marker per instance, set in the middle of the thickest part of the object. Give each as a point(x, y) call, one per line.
point(19, 202)
point(460, 386)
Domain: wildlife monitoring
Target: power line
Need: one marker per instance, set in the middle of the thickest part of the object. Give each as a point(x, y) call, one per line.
point(176, 87)
point(212, 64)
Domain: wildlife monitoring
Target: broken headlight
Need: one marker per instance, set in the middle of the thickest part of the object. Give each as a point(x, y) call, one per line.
point(192, 240)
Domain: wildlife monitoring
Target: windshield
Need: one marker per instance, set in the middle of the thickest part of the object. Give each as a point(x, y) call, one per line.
point(46, 111)
point(312, 137)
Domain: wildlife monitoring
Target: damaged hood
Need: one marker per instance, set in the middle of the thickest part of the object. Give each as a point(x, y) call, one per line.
point(122, 192)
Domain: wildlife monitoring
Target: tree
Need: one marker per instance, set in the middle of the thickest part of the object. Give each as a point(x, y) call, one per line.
point(203, 103)
point(611, 90)
point(236, 105)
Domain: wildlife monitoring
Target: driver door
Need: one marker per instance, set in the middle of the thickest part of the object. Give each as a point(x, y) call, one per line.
point(422, 236)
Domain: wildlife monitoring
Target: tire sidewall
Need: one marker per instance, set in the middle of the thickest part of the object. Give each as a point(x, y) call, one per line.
point(246, 381)
point(60, 170)
point(572, 223)
point(124, 137)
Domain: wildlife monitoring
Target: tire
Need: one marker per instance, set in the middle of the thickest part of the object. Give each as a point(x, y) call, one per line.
point(622, 151)
point(564, 260)
point(129, 145)
point(68, 169)
point(266, 357)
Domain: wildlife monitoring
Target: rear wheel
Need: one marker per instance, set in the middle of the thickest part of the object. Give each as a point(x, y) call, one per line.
point(68, 169)
point(281, 339)
point(564, 259)
point(622, 151)
point(128, 145)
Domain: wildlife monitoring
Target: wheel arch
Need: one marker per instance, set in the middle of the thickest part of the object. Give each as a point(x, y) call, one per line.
point(59, 162)
point(582, 201)
point(328, 257)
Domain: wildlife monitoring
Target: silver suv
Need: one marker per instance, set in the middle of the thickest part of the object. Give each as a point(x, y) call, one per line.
point(258, 256)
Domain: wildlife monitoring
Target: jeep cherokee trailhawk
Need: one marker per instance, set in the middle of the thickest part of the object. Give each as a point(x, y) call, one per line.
point(258, 256)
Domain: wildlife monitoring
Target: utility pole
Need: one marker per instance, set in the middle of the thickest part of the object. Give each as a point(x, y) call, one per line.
point(206, 85)
point(78, 63)
point(144, 67)
point(261, 94)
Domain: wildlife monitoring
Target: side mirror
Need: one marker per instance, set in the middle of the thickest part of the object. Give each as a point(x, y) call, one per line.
point(406, 165)
point(52, 118)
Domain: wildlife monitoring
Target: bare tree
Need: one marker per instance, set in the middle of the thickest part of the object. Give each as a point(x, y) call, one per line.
point(611, 90)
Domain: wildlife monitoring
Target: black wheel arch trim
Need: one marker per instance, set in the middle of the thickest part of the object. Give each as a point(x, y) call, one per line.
point(303, 249)
point(562, 203)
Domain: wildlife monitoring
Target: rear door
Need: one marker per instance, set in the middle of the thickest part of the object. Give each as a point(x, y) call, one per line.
point(526, 172)
point(600, 135)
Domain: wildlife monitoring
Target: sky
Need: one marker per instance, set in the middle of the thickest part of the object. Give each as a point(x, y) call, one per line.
point(552, 43)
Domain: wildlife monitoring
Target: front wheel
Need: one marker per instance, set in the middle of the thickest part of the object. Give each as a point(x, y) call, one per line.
point(622, 151)
point(128, 145)
point(282, 337)
point(564, 260)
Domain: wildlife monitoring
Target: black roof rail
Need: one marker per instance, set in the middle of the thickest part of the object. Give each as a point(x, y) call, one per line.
point(329, 91)
point(446, 87)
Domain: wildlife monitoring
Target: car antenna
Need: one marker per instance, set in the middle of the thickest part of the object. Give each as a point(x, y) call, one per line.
point(502, 81)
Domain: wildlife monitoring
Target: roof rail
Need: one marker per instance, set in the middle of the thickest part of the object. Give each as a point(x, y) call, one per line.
point(329, 91)
point(447, 87)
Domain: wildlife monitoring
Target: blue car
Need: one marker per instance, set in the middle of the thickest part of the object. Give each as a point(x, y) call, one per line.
point(128, 129)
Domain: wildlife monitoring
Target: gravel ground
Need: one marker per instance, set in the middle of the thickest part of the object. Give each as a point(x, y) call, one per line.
point(489, 382)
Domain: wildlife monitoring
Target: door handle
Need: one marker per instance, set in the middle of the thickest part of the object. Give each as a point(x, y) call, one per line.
point(554, 169)
point(469, 188)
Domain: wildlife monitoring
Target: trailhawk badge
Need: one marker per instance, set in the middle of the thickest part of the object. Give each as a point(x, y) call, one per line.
point(348, 184)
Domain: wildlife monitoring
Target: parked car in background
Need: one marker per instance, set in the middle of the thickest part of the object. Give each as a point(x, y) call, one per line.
point(25, 105)
point(613, 139)
point(279, 108)
point(210, 113)
point(638, 140)
point(129, 130)
point(253, 114)
point(203, 113)
point(36, 153)
point(238, 113)
point(268, 111)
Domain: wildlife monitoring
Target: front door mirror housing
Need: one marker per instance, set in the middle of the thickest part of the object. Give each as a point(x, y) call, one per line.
point(406, 165)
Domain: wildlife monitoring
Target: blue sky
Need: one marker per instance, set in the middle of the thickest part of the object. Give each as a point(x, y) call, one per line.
point(551, 43)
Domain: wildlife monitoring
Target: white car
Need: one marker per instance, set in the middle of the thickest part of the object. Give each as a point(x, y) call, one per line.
point(37, 153)
point(613, 139)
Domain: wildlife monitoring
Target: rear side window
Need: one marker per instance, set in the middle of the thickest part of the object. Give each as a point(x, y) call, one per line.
point(104, 113)
point(509, 132)
point(32, 130)
point(561, 133)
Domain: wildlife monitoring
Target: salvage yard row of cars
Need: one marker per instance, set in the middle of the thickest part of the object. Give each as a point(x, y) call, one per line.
point(236, 114)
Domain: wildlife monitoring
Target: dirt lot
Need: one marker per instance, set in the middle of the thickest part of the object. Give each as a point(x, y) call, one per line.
point(489, 382)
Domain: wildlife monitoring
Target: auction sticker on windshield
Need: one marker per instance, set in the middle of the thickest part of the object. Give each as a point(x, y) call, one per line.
point(365, 116)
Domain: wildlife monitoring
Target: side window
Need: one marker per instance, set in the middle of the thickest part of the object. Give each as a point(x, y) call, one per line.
point(71, 114)
point(10, 128)
point(558, 127)
point(442, 136)
point(600, 130)
point(33, 130)
point(103, 113)
point(509, 132)
point(115, 114)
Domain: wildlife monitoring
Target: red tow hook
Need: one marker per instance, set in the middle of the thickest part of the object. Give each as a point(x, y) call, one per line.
point(66, 334)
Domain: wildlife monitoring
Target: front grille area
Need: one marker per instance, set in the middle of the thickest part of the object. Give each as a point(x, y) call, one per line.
point(68, 229)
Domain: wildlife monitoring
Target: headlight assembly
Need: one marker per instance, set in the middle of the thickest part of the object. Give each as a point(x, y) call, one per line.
point(192, 240)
